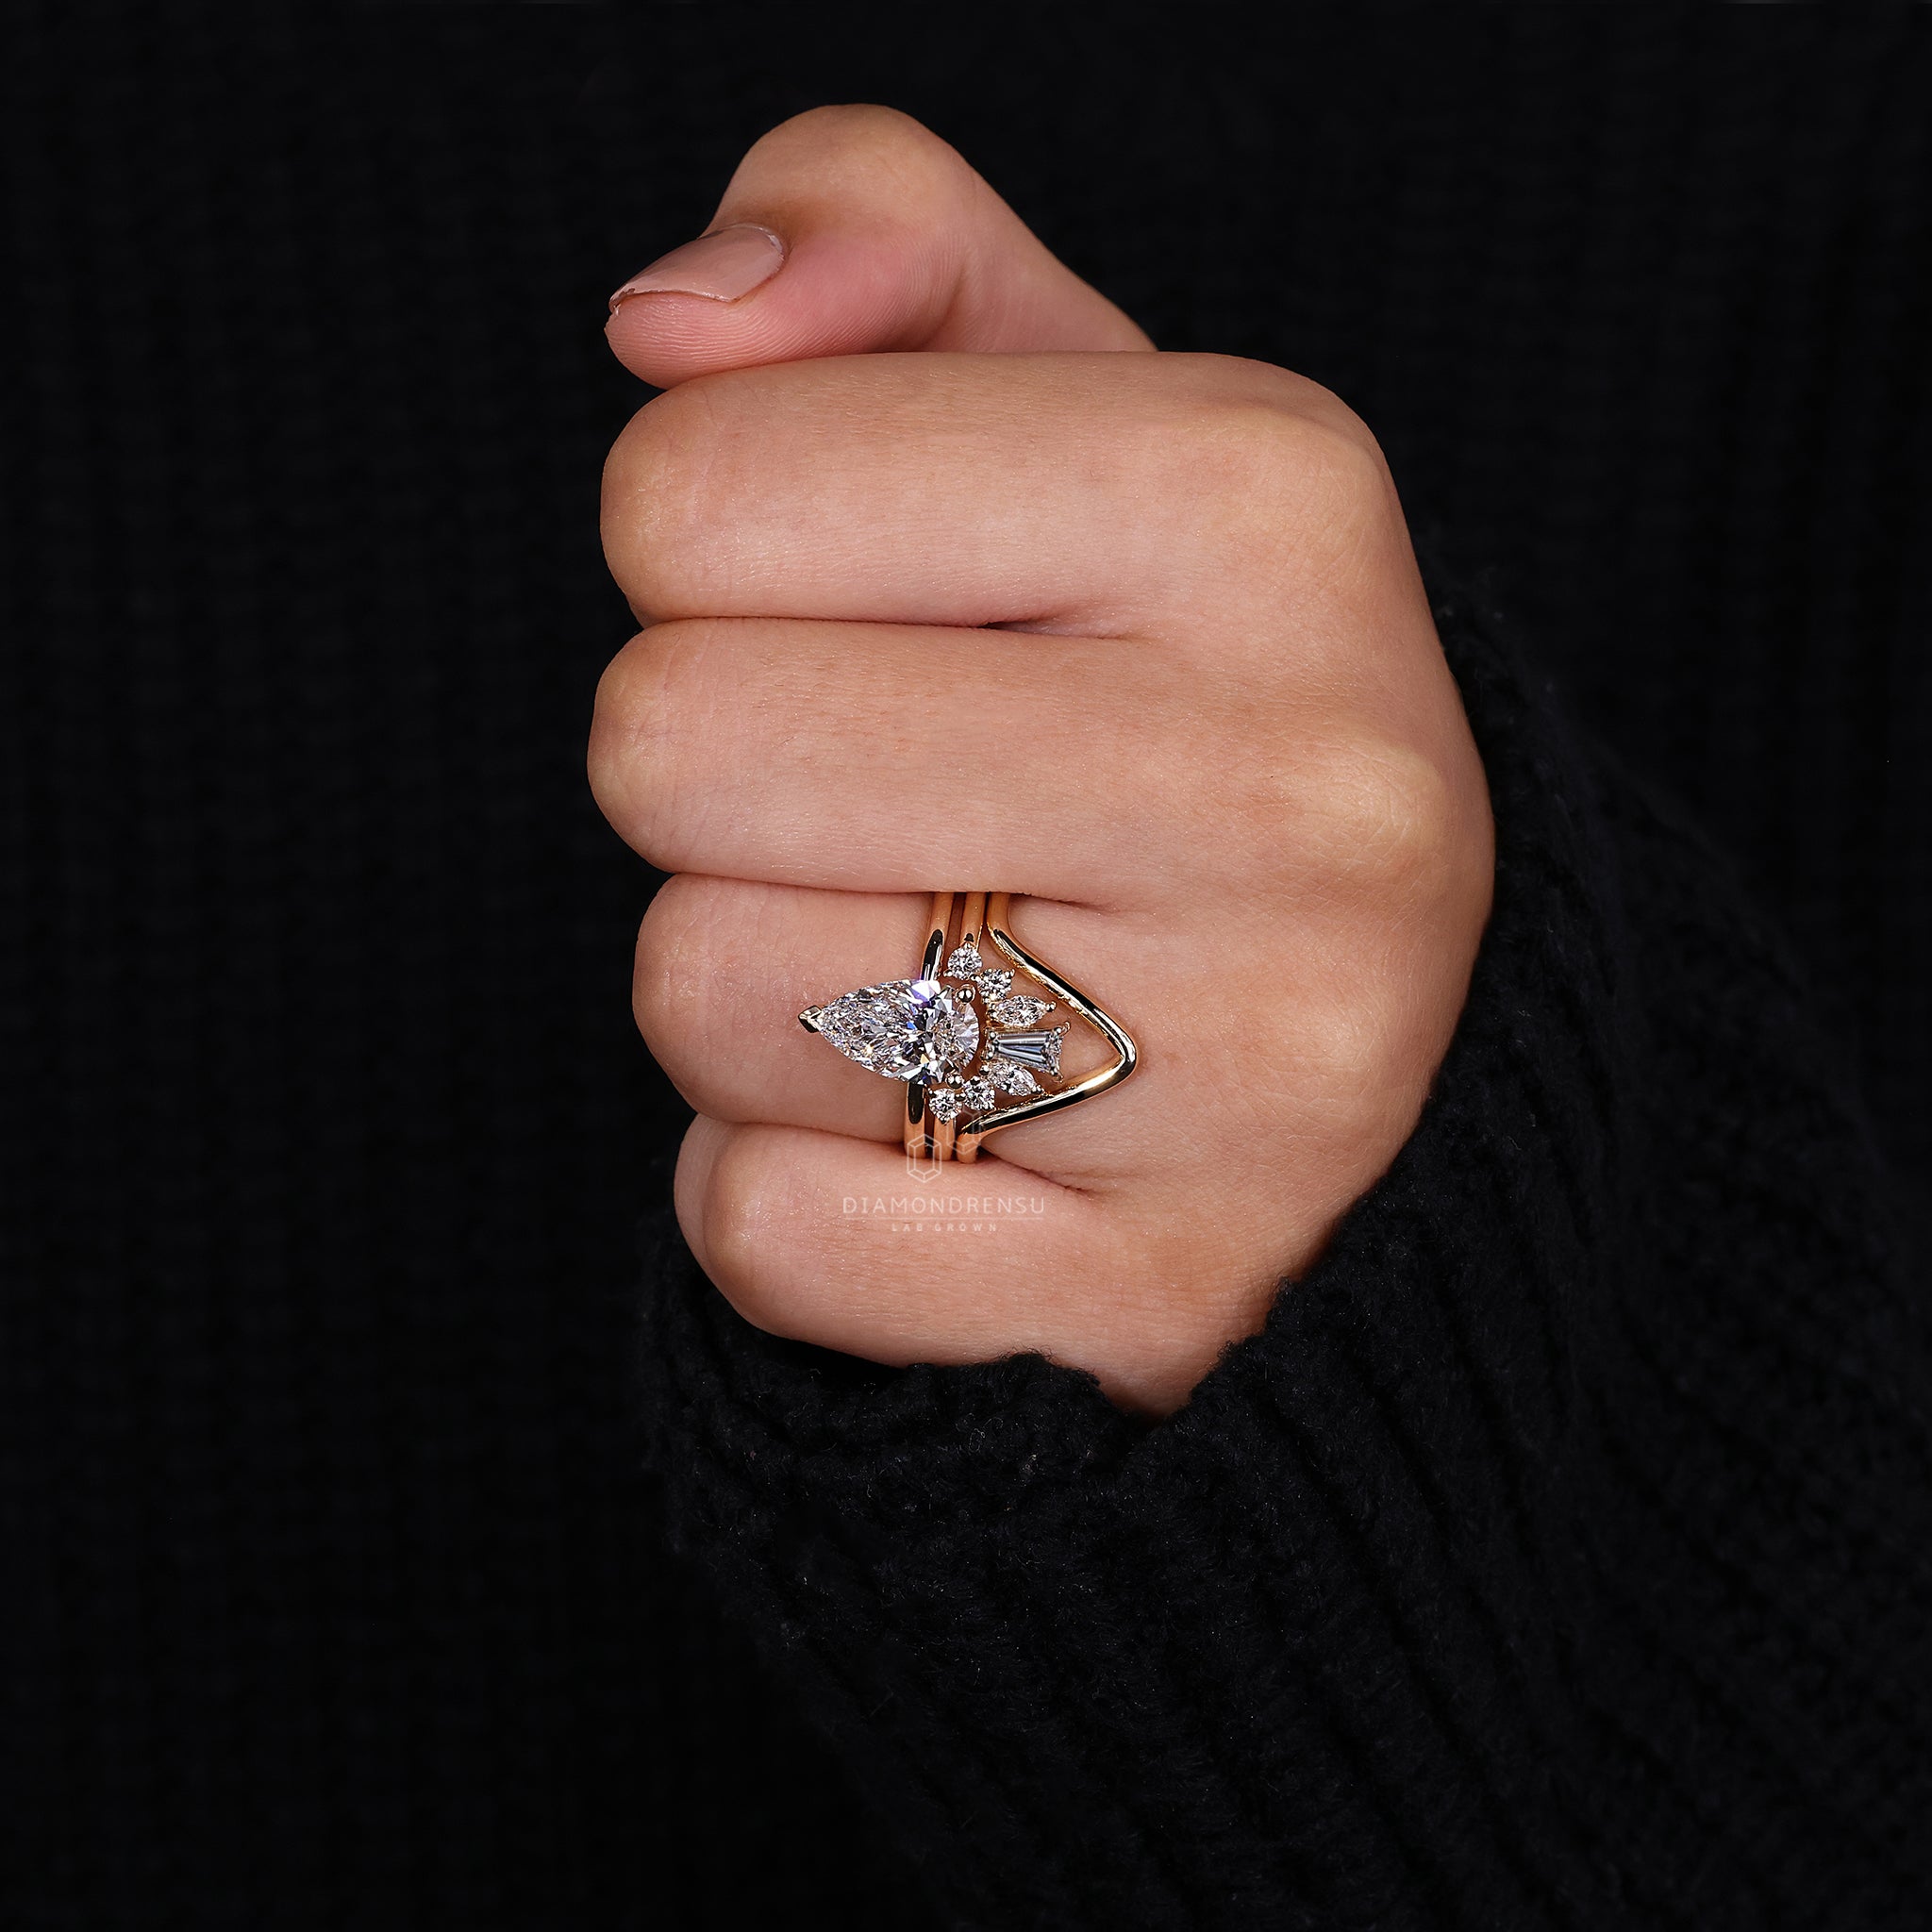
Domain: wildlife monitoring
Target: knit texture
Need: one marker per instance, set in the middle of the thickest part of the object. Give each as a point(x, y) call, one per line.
point(333, 1584)
point(1560, 1554)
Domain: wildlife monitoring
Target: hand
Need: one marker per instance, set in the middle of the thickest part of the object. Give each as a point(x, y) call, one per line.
point(1138, 636)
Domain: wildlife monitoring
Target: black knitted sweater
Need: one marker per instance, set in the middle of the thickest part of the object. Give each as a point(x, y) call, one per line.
point(381, 1548)
point(1559, 1555)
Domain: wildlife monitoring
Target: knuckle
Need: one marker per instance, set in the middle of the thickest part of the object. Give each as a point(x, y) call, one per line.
point(1358, 1072)
point(660, 485)
point(670, 987)
point(1321, 473)
point(1358, 817)
point(1381, 815)
point(1298, 470)
point(1355, 1045)
point(734, 1213)
point(651, 705)
point(1344, 478)
point(844, 147)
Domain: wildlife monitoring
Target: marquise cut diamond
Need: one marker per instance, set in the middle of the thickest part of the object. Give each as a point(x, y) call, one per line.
point(1020, 1010)
point(1011, 1079)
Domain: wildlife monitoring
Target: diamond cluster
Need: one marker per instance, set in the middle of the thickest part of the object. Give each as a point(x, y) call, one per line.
point(1012, 1058)
point(923, 1029)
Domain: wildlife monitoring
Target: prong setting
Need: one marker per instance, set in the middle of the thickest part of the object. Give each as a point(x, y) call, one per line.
point(931, 1030)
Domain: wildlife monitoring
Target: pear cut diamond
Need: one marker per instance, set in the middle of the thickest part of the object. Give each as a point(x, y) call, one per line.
point(905, 1029)
point(1010, 1078)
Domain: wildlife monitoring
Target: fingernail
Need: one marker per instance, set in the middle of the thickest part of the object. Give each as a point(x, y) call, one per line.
point(721, 267)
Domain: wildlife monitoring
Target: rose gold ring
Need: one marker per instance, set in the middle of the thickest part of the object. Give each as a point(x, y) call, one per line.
point(966, 1036)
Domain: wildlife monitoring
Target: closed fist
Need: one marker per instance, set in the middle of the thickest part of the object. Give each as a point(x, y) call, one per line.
point(947, 579)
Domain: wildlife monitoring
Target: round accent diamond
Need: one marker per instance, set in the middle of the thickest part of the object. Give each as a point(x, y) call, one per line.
point(958, 1031)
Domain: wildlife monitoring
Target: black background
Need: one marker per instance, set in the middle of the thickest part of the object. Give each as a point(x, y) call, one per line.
point(335, 1598)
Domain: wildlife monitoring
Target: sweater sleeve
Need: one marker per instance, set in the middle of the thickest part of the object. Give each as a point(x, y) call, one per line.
point(1557, 1556)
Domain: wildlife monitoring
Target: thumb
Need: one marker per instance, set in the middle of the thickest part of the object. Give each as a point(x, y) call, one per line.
point(848, 230)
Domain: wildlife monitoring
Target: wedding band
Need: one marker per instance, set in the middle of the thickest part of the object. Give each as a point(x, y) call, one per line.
point(966, 1035)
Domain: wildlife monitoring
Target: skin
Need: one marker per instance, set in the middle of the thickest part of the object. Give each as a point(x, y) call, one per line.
point(947, 578)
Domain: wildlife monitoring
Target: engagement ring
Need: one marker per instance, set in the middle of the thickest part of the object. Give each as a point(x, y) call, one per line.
point(967, 1036)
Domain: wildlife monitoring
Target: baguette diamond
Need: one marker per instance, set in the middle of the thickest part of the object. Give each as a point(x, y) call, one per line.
point(1041, 1051)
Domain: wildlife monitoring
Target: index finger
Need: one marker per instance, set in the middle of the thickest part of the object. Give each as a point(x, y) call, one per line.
point(1181, 497)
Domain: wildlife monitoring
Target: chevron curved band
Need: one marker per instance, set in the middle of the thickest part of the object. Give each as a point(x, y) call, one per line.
point(966, 1036)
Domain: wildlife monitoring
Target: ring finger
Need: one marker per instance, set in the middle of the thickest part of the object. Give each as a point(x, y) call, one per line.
point(724, 967)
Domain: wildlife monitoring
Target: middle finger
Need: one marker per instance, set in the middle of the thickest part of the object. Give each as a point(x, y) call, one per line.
point(884, 757)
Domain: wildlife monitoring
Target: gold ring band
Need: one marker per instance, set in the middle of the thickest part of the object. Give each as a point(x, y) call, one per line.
point(1126, 1056)
point(964, 1038)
